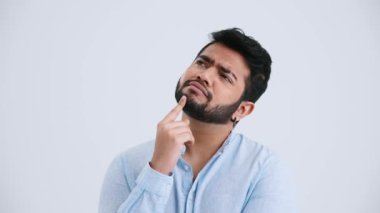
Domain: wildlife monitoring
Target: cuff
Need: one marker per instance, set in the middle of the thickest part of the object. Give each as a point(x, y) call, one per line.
point(154, 181)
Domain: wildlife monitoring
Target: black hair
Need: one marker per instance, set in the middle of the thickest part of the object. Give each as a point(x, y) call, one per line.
point(256, 57)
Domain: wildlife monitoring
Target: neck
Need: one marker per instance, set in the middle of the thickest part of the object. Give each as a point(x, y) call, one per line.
point(208, 138)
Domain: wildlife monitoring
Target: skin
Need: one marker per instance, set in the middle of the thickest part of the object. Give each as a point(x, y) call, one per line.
point(202, 139)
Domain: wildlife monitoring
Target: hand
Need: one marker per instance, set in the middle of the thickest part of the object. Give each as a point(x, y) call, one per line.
point(170, 137)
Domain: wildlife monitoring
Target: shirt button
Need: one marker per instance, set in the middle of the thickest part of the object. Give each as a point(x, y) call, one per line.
point(186, 167)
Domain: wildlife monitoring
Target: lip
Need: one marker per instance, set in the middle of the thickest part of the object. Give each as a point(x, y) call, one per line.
point(199, 86)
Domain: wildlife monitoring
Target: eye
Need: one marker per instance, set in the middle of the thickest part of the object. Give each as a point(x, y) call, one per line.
point(225, 77)
point(200, 62)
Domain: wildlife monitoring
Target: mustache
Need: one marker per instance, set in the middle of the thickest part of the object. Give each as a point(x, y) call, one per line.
point(187, 83)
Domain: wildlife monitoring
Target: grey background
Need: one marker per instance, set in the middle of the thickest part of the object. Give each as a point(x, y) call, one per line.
point(81, 81)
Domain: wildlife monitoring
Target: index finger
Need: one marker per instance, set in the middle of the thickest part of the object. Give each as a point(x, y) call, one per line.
point(172, 115)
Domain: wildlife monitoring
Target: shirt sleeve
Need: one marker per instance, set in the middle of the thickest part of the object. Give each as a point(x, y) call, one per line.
point(274, 192)
point(149, 194)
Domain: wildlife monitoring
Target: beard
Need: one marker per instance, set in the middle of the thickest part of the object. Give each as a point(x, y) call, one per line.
point(220, 114)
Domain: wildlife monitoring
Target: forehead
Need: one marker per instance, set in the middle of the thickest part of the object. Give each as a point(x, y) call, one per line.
point(227, 58)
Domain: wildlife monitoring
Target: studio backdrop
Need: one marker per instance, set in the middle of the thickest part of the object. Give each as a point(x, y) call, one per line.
point(82, 81)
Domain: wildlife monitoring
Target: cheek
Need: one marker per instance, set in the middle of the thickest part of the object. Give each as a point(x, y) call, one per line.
point(186, 75)
point(183, 78)
point(226, 94)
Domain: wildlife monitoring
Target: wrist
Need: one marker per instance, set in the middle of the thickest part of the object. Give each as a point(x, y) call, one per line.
point(160, 170)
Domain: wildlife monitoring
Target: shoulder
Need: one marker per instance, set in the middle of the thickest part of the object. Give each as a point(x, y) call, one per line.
point(271, 178)
point(260, 160)
point(253, 151)
point(133, 159)
point(138, 152)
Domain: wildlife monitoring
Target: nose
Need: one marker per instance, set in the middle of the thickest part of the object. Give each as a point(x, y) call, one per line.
point(205, 76)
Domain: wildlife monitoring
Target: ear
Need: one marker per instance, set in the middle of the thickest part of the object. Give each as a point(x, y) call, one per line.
point(245, 108)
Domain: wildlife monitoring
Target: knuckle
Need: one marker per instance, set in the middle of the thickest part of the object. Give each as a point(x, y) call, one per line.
point(171, 133)
point(165, 127)
point(178, 141)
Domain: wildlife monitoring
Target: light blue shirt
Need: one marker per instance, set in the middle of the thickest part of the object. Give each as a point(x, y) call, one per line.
point(242, 176)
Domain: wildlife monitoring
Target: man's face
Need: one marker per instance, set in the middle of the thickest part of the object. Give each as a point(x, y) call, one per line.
point(213, 84)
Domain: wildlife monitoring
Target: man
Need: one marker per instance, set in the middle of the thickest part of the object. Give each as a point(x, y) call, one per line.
point(198, 163)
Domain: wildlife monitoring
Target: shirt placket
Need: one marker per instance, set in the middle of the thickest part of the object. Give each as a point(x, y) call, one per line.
point(189, 187)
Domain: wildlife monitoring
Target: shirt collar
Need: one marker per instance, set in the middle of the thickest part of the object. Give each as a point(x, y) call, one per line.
point(222, 148)
point(226, 142)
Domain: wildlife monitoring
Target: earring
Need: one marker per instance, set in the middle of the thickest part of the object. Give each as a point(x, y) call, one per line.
point(234, 121)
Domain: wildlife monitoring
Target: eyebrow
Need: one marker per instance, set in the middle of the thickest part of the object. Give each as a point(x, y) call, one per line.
point(223, 69)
